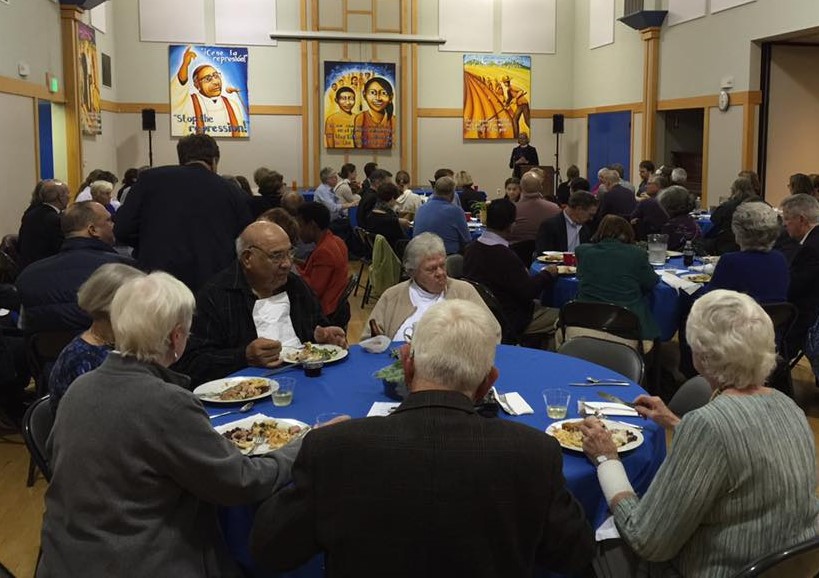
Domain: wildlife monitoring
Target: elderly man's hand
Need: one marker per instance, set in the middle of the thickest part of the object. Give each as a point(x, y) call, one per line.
point(331, 335)
point(653, 408)
point(597, 440)
point(263, 352)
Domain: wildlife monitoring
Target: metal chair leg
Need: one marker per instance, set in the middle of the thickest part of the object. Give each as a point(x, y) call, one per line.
point(32, 472)
point(367, 291)
point(360, 273)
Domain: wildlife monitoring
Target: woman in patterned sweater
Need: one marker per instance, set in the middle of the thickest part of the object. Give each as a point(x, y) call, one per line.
point(740, 478)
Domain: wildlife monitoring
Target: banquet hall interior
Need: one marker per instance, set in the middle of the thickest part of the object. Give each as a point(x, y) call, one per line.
point(713, 86)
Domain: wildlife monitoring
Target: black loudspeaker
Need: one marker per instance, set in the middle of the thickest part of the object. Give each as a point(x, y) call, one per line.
point(557, 123)
point(149, 119)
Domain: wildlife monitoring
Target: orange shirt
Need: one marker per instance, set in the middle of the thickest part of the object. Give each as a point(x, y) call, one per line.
point(326, 271)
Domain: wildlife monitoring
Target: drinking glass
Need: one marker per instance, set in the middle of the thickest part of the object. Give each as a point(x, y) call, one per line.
point(657, 247)
point(283, 396)
point(323, 418)
point(557, 402)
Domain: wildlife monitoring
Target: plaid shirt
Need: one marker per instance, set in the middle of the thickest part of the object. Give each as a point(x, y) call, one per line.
point(223, 325)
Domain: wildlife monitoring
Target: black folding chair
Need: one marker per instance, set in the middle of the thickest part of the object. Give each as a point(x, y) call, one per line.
point(615, 356)
point(508, 335)
point(525, 250)
point(783, 316)
point(366, 258)
point(798, 561)
point(341, 316)
point(37, 423)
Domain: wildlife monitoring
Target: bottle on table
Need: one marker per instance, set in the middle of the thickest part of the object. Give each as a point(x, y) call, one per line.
point(688, 254)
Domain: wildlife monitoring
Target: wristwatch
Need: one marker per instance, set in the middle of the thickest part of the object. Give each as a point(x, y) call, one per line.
point(601, 459)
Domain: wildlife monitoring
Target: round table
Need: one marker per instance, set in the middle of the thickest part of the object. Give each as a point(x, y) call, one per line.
point(348, 386)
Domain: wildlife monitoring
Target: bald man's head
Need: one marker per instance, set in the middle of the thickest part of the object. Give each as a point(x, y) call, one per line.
point(265, 255)
point(530, 183)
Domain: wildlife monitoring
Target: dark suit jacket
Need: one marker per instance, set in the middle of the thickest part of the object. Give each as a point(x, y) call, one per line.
point(433, 490)
point(223, 325)
point(183, 220)
point(40, 235)
point(528, 152)
point(618, 201)
point(552, 235)
point(803, 289)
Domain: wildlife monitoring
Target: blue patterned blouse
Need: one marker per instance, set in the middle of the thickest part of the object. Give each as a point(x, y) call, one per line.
point(77, 358)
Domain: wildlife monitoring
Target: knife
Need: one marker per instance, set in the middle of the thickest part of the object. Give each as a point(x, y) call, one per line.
point(280, 369)
point(615, 399)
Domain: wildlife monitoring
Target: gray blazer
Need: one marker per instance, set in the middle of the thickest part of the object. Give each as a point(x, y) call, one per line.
point(137, 473)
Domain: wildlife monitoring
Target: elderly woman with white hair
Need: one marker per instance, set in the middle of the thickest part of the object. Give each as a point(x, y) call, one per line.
point(402, 305)
point(740, 479)
point(103, 192)
point(138, 469)
point(90, 348)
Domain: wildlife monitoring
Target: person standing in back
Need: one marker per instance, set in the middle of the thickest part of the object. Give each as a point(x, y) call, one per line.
point(184, 219)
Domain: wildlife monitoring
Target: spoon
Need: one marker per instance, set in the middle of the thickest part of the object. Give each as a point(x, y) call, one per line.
point(244, 409)
point(607, 381)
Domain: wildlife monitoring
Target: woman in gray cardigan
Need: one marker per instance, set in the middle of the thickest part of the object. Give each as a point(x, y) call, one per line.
point(740, 478)
point(138, 469)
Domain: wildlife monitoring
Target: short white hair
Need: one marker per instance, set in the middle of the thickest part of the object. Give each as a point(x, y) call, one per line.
point(422, 247)
point(453, 345)
point(96, 294)
point(98, 187)
point(144, 312)
point(801, 205)
point(679, 176)
point(732, 339)
point(755, 226)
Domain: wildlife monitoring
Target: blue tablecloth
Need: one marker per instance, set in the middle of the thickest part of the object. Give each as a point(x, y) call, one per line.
point(349, 387)
point(664, 300)
point(704, 222)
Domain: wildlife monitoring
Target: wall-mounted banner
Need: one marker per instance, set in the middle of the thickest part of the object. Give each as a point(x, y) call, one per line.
point(209, 91)
point(359, 105)
point(89, 80)
point(496, 96)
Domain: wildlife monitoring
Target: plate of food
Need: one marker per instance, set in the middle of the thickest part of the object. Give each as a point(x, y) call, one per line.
point(568, 435)
point(551, 257)
point(566, 270)
point(312, 352)
point(236, 389)
point(698, 278)
point(259, 434)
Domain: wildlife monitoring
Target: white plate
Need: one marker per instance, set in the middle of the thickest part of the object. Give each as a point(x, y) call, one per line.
point(283, 423)
point(288, 354)
point(217, 386)
point(671, 254)
point(610, 425)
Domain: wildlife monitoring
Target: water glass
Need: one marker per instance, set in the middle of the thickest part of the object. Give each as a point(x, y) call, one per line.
point(557, 403)
point(323, 418)
point(283, 395)
point(657, 247)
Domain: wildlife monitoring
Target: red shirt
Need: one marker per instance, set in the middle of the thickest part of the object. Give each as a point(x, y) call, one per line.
point(326, 271)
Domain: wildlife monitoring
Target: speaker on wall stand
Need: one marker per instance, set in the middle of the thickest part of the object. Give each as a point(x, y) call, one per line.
point(557, 129)
point(149, 124)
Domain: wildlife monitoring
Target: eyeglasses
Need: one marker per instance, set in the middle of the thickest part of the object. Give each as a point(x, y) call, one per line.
point(210, 77)
point(278, 257)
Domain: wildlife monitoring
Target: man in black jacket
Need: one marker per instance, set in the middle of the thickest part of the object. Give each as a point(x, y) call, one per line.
point(40, 235)
point(553, 234)
point(48, 288)
point(184, 219)
point(247, 312)
point(800, 214)
point(434, 489)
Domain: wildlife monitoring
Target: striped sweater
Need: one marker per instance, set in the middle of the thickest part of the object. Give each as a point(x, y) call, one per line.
point(739, 483)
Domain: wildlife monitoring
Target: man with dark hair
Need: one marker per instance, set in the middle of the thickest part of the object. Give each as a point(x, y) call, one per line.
point(646, 170)
point(40, 234)
point(563, 189)
point(440, 216)
point(366, 185)
point(490, 261)
point(184, 219)
point(370, 197)
point(569, 228)
point(48, 288)
point(325, 270)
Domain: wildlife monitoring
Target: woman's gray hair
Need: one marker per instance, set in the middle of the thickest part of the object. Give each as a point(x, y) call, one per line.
point(742, 189)
point(675, 200)
point(755, 226)
point(144, 312)
point(801, 205)
point(326, 173)
point(96, 294)
point(100, 187)
point(422, 247)
point(454, 344)
point(732, 339)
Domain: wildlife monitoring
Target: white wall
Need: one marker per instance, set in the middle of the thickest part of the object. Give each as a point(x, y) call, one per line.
point(30, 30)
point(793, 123)
point(18, 162)
point(724, 151)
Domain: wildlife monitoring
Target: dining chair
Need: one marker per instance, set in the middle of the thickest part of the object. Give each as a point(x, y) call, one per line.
point(783, 315)
point(798, 561)
point(610, 354)
point(455, 266)
point(691, 395)
point(525, 250)
point(37, 423)
point(341, 316)
point(508, 335)
point(385, 269)
point(366, 258)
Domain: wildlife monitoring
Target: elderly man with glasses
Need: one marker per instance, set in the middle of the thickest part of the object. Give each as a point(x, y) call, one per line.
point(246, 313)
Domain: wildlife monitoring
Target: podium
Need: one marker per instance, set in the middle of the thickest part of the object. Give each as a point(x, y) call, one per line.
point(548, 178)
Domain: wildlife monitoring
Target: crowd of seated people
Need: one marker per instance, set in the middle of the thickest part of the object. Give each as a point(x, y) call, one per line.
point(202, 324)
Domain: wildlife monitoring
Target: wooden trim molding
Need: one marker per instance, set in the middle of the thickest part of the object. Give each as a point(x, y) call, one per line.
point(165, 108)
point(545, 113)
point(69, 17)
point(706, 139)
point(305, 128)
point(710, 100)
point(748, 122)
point(651, 84)
point(28, 89)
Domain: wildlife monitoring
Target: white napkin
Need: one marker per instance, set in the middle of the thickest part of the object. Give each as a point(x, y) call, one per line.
point(607, 530)
point(608, 408)
point(377, 344)
point(382, 408)
point(679, 283)
point(708, 268)
point(517, 404)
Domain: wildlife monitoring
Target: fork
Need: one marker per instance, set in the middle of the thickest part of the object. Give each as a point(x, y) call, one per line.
point(257, 441)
